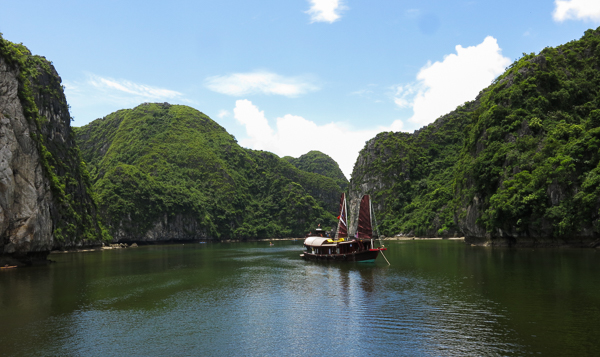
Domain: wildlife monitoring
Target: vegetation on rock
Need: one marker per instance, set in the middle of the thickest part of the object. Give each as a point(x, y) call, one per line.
point(322, 164)
point(410, 176)
point(531, 156)
point(519, 161)
point(172, 166)
point(44, 105)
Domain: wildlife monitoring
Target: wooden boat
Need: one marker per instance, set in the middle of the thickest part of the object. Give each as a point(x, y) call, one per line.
point(340, 248)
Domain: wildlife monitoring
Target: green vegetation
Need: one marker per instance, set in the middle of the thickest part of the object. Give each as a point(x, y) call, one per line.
point(521, 160)
point(532, 153)
point(74, 211)
point(171, 165)
point(412, 174)
point(524, 155)
point(320, 163)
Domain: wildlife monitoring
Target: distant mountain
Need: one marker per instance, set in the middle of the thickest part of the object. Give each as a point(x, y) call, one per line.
point(169, 172)
point(322, 164)
point(518, 165)
point(46, 200)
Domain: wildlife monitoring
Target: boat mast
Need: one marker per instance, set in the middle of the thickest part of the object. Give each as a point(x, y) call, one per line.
point(342, 219)
point(347, 219)
point(371, 220)
point(349, 224)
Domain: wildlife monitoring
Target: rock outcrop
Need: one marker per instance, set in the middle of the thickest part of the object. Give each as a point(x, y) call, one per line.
point(45, 200)
point(25, 196)
point(409, 178)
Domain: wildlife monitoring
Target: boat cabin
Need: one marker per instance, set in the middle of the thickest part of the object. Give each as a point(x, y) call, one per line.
point(320, 245)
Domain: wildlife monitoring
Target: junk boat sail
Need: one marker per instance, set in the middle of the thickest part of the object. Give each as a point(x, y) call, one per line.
point(320, 247)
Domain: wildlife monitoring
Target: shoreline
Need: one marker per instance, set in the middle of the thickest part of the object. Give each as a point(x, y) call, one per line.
point(423, 238)
point(468, 242)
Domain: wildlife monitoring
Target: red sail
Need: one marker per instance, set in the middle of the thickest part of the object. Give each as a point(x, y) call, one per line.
point(342, 223)
point(364, 219)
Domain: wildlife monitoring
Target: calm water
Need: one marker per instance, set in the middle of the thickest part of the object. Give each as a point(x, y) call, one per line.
point(438, 298)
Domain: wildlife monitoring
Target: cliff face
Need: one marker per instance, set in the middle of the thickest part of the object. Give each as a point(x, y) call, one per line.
point(168, 172)
point(519, 165)
point(529, 168)
point(25, 196)
point(409, 177)
point(44, 195)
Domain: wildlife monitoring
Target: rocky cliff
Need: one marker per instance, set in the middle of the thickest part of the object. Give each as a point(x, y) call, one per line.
point(518, 165)
point(409, 177)
point(45, 197)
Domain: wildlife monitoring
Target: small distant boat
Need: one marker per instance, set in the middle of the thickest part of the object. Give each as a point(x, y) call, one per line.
point(8, 267)
point(340, 248)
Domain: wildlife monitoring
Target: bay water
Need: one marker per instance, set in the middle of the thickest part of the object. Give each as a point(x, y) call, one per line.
point(437, 298)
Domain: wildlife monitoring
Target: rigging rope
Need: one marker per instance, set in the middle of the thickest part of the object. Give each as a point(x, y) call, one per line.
point(376, 226)
point(379, 235)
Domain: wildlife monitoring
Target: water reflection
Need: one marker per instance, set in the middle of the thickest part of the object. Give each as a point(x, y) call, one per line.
point(436, 298)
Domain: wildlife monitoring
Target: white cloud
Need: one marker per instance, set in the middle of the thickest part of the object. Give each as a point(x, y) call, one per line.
point(295, 135)
point(223, 113)
point(119, 90)
point(576, 10)
point(96, 96)
point(239, 84)
point(140, 90)
point(257, 125)
point(405, 94)
point(325, 10)
point(442, 86)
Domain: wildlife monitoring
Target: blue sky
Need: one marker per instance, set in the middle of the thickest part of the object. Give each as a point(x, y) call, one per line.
point(290, 76)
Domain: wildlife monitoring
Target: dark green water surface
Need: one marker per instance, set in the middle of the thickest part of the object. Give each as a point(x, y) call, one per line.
point(438, 298)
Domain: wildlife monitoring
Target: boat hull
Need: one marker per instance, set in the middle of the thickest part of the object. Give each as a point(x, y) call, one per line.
point(359, 256)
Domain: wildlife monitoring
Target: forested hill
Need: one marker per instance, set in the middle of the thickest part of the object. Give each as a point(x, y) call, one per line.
point(169, 172)
point(519, 164)
point(322, 164)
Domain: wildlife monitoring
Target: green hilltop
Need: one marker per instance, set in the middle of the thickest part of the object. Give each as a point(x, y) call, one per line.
point(322, 164)
point(168, 172)
point(520, 163)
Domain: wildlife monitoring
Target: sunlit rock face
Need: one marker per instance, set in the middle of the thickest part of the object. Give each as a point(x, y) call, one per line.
point(44, 199)
point(25, 196)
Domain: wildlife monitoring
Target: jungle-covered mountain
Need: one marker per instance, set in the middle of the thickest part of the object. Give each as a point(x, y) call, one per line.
point(169, 172)
point(319, 163)
point(519, 164)
point(46, 200)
